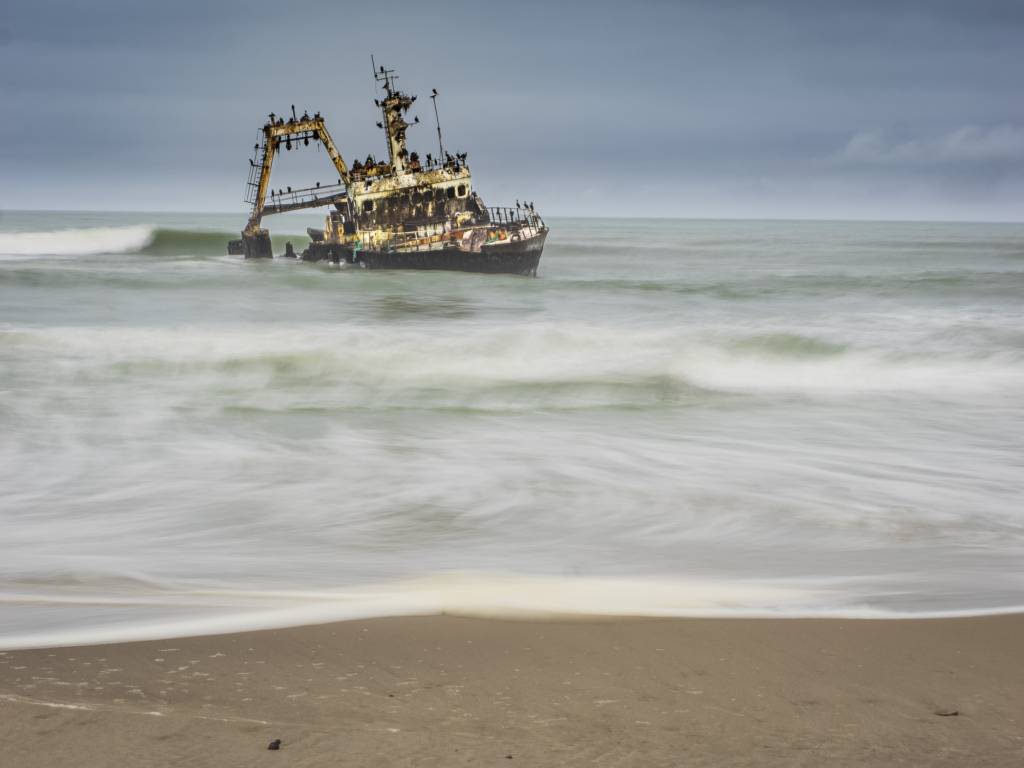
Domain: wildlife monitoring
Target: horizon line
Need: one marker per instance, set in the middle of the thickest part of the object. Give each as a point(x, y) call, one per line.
point(596, 218)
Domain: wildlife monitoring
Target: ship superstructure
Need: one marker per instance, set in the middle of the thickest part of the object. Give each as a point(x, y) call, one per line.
point(406, 213)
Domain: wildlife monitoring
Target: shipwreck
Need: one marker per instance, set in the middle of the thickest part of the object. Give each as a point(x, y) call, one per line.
point(406, 212)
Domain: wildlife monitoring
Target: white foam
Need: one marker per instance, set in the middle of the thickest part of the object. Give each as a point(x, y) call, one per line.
point(395, 360)
point(75, 242)
point(851, 372)
point(458, 594)
point(490, 596)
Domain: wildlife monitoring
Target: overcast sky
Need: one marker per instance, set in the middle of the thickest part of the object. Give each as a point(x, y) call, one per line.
point(792, 109)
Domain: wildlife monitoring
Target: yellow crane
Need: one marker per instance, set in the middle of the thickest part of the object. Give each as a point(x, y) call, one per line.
point(255, 242)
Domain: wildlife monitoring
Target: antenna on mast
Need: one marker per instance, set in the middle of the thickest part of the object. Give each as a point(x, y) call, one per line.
point(439, 145)
point(383, 74)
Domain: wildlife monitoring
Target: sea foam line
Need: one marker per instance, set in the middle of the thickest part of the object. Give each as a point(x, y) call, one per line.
point(492, 596)
point(389, 359)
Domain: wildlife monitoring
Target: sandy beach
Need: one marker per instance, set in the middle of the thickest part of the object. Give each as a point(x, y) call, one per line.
point(451, 691)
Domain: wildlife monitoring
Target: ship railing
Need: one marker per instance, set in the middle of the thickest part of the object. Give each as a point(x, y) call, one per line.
point(390, 240)
point(393, 240)
point(436, 164)
point(303, 198)
point(360, 174)
point(526, 219)
point(522, 221)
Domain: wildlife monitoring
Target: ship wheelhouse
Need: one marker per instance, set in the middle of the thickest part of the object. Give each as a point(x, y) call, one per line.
point(407, 194)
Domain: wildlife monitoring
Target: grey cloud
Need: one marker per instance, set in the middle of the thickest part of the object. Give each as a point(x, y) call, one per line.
point(965, 146)
point(793, 107)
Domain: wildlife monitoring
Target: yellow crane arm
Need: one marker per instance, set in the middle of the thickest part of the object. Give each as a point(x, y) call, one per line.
point(273, 135)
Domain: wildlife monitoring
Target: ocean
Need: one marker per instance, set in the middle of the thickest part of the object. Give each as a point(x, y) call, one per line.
point(675, 418)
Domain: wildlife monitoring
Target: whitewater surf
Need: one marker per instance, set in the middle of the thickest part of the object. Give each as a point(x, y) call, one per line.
point(676, 418)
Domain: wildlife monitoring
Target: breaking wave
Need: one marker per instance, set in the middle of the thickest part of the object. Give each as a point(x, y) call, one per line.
point(138, 239)
point(76, 242)
point(526, 366)
point(177, 242)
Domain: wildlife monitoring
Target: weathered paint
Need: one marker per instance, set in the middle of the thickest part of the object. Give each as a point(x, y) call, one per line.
point(402, 212)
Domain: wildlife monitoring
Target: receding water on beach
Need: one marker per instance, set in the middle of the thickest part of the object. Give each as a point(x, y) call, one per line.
point(674, 418)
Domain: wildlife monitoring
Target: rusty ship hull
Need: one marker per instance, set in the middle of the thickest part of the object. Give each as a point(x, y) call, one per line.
point(513, 258)
point(517, 257)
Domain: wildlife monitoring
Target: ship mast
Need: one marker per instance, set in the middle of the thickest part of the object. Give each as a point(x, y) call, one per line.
point(393, 107)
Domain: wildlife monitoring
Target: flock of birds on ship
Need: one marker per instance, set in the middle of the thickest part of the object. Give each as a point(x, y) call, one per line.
point(370, 161)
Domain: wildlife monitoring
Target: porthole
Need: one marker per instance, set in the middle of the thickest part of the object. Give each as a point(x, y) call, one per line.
point(367, 205)
point(462, 190)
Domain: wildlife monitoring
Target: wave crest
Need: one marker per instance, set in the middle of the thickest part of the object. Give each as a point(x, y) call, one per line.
point(527, 366)
point(76, 242)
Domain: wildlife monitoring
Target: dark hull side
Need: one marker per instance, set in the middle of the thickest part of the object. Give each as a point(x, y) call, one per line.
point(515, 258)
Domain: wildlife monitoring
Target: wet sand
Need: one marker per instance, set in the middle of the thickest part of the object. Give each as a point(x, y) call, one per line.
point(446, 691)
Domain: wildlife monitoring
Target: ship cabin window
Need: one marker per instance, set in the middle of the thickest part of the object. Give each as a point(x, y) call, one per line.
point(403, 200)
point(367, 205)
point(462, 190)
point(417, 198)
point(428, 195)
point(451, 192)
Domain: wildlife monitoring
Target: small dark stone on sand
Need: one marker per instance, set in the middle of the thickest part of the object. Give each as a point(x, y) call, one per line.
point(508, 757)
point(391, 695)
point(275, 744)
point(947, 713)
